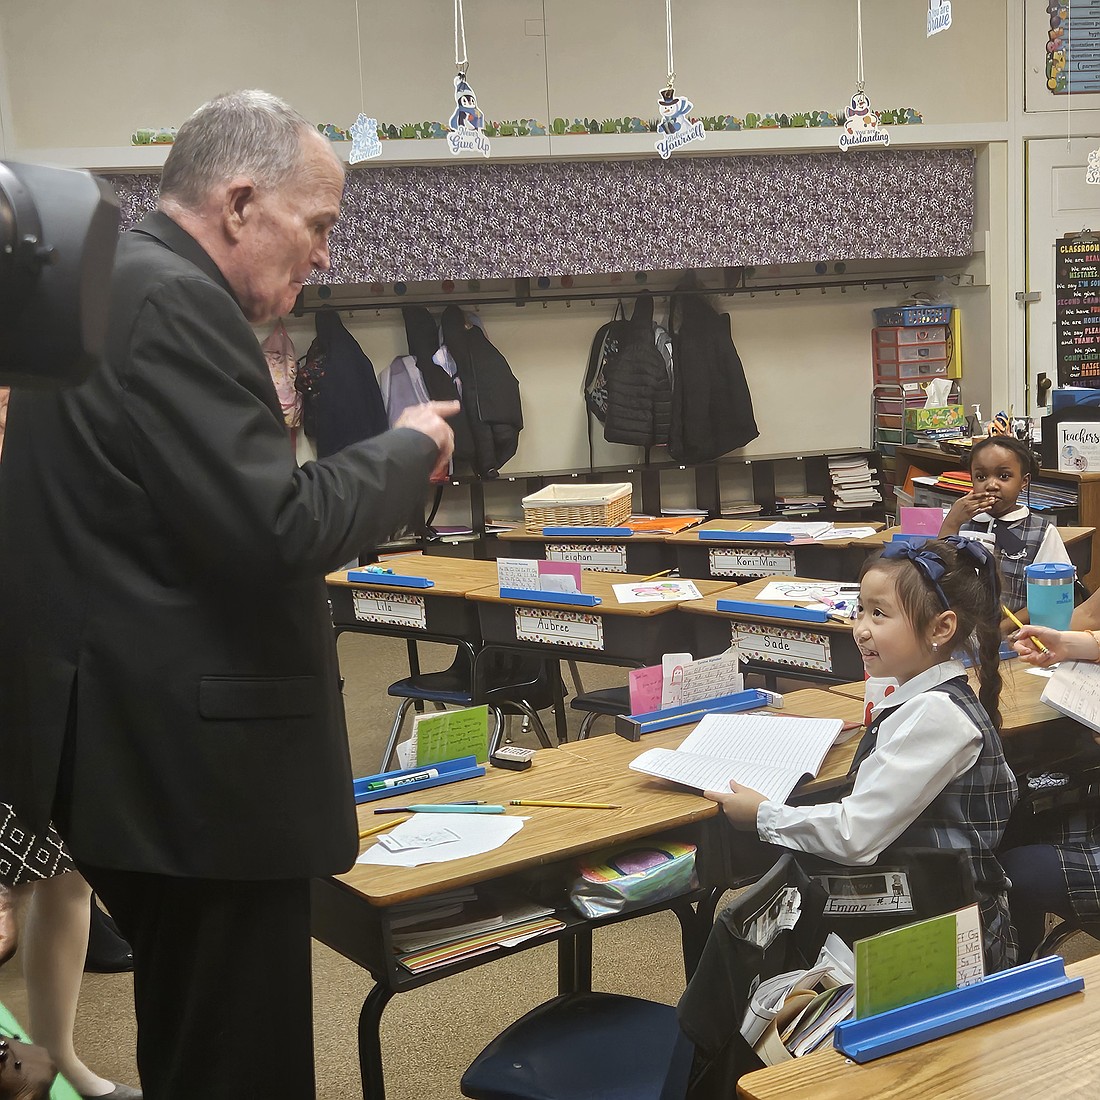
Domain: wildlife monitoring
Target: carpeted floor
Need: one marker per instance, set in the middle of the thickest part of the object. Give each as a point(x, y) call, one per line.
point(431, 1034)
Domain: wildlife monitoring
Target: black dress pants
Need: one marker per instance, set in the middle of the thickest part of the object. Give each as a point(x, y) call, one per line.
point(222, 986)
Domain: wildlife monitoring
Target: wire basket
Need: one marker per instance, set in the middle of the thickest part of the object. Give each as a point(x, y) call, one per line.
point(577, 506)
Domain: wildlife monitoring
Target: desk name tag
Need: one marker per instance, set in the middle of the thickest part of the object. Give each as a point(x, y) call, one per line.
point(729, 562)
point(783, 645)
point(552, 626)
point(396, 608)
point(599, 556)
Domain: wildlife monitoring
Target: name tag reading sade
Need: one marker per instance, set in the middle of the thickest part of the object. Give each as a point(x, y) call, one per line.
point(730, 562)
point(395, 608)
point(552, 626)
point(783, 645)
point(603, 557)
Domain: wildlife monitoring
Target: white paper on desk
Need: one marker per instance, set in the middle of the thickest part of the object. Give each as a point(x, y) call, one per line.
point(710, 677)
point(476, 833)
point(799, 530)
point(829, 593)
point(845, 533)
point(658, 590)
point(518, 573)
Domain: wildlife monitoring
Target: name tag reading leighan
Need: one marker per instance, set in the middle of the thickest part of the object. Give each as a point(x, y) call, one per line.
point(783, 645)
point(599, 556)
point(730, 562)
point(395, 608)
point(552, 626)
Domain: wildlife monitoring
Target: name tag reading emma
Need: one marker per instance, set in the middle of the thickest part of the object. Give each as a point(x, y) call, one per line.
point(600, 556)
point(783, 645)
point(552, 626)
point(732, 562)
point(395, 608)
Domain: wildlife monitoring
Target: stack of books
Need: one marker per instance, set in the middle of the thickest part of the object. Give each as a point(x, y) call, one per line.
point(854, 483)
point(740, 508)
point(955, 481)
point(802, 505)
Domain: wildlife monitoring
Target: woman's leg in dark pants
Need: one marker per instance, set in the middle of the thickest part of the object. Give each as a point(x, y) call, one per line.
point(1038, 888)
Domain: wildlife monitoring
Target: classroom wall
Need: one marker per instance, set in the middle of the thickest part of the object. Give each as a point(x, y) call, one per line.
point(120, 64)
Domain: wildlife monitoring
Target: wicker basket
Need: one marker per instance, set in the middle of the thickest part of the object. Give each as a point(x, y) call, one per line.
point(577, 506)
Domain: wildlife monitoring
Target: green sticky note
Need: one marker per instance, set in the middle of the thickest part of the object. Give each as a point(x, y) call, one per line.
point(452, 733)
point(906, 964)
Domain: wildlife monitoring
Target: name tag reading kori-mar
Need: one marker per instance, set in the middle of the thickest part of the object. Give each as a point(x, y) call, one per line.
point(553, 626)
point(783, 645)
point(604, 557)
point(734, 562)
point(395, 608)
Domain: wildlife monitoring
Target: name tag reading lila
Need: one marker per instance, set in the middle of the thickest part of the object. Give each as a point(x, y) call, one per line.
point(394, 608)
point(553, 626)
point(734, 562)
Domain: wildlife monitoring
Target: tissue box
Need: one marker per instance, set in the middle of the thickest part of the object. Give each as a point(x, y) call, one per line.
point(935, 419)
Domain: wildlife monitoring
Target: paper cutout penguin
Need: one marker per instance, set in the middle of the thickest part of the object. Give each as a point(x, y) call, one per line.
point(673, 108)
point(466, 116)
point(858, 114)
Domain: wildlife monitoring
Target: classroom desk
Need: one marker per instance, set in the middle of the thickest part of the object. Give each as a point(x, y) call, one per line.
point(1050, 1049)
point(741, 560)
point(349, 911)
point(776, 647)
point(610, 632)
point(1078, 542)
point(645, 552)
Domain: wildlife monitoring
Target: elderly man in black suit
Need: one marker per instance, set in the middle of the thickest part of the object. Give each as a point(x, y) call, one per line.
point(168, 678)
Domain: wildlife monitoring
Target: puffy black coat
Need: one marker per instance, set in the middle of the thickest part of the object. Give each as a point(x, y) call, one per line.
point(711, 404)
point(639, 392)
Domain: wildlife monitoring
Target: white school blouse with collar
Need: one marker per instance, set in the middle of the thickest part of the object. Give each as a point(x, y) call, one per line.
point(924, 744)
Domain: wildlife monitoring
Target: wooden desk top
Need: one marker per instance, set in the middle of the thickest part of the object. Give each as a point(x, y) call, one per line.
point(602, 585)
point(1048, 1049)
point(1070, 535)
point(452, 576)
point(692, 534)
point(709, 604)
point(1021, 708)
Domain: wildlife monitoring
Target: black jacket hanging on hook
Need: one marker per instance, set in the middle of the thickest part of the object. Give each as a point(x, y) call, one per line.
point(341, 400)
point(711, 404)
point(490, 394)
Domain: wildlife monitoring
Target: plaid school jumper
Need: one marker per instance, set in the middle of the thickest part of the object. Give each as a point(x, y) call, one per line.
point(970, 813)
point(1030, 531)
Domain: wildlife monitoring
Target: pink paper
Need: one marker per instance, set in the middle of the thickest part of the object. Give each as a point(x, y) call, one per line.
point(645, 689)
point(557, 570)
point(921, 521)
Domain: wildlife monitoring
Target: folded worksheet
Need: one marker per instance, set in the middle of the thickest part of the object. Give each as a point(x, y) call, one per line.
point(765, 753)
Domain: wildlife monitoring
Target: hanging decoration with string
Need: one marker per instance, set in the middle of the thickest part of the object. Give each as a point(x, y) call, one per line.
point(467, 123)
point(939, 16)
point(674, 126)
point(364, 131)
point(861, 122)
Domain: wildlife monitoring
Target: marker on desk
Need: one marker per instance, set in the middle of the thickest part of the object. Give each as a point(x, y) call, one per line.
point(402, 780)
point(1042, 648)
point(443, 808)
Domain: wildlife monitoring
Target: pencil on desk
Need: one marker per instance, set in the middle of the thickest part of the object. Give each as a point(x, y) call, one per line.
point(381, 827)
point(1042, 648)
point(564, 805)
point(654, 576)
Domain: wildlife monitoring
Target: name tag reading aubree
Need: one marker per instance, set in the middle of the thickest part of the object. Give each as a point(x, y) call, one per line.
point(552, 626)
point(599, 556)
point(783, 645)
point(730, 562)
point(396, 608)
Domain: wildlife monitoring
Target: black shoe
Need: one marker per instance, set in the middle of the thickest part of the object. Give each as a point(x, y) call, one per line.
point(108, 952)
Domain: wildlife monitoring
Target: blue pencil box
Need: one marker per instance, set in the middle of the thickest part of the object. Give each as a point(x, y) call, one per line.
point(581, 532)
point(537, 595)
point(747, 536)
point(632, 726)
point(396, 579)
point(774, 611)
point(404, 779)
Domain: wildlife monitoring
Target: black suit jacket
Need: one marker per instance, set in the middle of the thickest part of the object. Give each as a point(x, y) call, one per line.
point(165, 640)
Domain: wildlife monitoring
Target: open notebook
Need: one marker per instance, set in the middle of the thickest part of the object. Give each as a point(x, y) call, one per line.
point(766, 753)
point(1074, 689)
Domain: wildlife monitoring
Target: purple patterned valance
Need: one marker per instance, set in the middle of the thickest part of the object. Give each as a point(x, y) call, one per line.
point(507, 220)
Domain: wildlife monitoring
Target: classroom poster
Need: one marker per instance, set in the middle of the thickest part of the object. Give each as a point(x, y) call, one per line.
point(1072, 47)
point(1077, 310)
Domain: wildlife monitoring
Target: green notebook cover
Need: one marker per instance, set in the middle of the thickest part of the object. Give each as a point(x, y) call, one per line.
point(451, 734)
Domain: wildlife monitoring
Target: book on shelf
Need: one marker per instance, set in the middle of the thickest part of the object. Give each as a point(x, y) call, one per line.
point(767, 753)
point(740, 508)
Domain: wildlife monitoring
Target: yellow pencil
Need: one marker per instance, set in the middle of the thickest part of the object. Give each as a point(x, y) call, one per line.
point(1042, 647)
point(565, 805)
point(654, 576)
point(381, 827)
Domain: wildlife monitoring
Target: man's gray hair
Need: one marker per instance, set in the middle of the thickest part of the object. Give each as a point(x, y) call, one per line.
point(248, 133)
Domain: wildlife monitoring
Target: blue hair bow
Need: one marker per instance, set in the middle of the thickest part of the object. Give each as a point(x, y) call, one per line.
point(934, 567)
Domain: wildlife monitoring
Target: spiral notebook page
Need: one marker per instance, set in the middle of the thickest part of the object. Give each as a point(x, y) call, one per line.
point(767, 754)
point(1074, 689)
